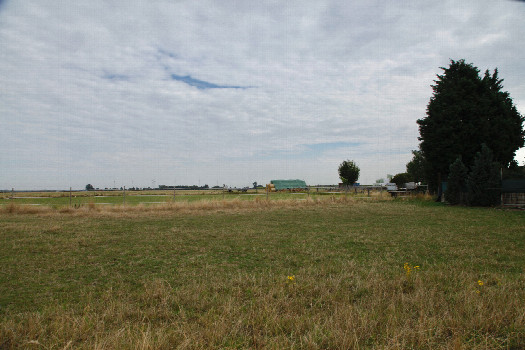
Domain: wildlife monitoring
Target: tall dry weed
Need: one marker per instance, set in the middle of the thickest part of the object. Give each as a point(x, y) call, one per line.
point(14, 208)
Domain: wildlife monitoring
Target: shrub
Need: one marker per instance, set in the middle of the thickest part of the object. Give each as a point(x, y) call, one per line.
point(457, 180)
point(401, 179)
point(484, 179)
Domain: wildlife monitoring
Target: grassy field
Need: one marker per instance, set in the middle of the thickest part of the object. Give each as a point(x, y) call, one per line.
point(309, 274)
point(85, 198)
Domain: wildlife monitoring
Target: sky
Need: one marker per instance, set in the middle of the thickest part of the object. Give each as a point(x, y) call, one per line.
point(147, 93)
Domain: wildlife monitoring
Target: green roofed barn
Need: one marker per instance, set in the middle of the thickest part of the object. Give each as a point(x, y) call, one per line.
point(288, 184)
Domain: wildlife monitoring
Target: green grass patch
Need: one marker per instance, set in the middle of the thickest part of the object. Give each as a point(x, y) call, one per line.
point(132, 198)
point(219, 278)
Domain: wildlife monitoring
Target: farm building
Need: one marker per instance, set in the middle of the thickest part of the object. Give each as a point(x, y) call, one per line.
point(288, 184)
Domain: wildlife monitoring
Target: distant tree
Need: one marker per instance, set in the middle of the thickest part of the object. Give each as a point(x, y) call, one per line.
point(416, 167)
point(456, 183)
point(348, 172)
point(255, 185)
point(465, 111)
point(400, 179)
point(89, 187)
point(484, 179)
point(380, 181)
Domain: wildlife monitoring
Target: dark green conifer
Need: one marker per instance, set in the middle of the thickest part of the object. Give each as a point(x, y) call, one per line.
point(465, 111)
point(483, 182)
point(456, 184)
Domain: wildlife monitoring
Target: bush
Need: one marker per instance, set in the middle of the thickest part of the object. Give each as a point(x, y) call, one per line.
point(483, 182)
point(457, 180)
point(401, 179)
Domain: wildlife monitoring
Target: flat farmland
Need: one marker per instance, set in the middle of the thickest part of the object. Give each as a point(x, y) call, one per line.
point(326, 273)
point(85, 198)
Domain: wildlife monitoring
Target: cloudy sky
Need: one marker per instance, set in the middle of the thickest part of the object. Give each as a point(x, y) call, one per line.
point(135, 93)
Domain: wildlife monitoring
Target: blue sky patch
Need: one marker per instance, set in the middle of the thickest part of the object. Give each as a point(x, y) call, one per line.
point(167, 53)
point(116, 77)
point(306, 151)
point(327, 146)
point(202, 85)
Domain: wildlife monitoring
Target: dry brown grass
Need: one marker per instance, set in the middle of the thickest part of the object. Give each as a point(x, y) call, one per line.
point(214, 275)
point(185, 207)
point(13, 208)
point(354, 309)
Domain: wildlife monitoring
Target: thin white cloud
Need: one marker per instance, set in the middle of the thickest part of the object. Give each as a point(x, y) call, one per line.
point(89, 95)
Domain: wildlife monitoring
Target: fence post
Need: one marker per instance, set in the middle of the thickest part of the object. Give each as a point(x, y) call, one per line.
point(12, 192)
point(502, 203)
point(70, 196)
point(124, 195)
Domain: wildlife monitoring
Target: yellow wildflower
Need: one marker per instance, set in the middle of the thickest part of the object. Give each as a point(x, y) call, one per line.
point(407, 268)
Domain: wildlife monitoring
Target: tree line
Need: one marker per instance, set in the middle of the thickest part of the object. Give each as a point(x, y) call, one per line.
point(468, 138)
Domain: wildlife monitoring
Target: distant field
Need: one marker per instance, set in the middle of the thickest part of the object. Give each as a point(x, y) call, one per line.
point(83, 198)
point(325, 273)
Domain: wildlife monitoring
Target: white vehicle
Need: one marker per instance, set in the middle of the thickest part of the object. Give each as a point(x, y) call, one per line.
point(410, 186)
point(391, 186)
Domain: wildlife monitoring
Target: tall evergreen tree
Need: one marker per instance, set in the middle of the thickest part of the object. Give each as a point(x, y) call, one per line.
point(465, 111)
point(456, 184)
point(484, 179)
point(416, 167)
